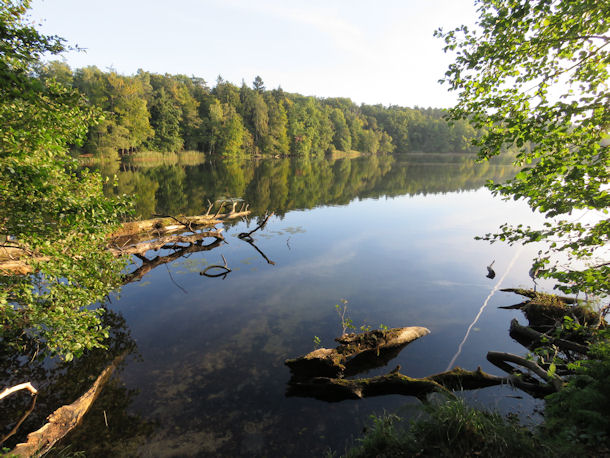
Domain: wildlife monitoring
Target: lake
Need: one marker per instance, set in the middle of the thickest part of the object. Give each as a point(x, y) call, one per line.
point(391, 235)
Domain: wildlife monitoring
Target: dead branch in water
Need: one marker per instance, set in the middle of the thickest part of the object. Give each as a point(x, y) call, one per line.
point(247, 236)
point(26, 414)
point(180, 251)
point(17, 260)
point(22, 386)
point(225, 270)
point(64, 419)
point(501, 360)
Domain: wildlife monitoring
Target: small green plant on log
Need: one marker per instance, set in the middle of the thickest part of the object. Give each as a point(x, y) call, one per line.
point(346, 322)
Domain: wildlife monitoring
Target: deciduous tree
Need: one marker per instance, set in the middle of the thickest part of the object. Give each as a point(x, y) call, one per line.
point(534, 76)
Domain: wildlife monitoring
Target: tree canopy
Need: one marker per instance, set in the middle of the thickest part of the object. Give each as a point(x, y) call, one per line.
point(48, 207)
point(533, 75)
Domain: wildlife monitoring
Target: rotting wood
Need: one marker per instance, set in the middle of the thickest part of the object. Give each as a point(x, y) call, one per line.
point(534, 294)
point(357, 352)
point(64, 419)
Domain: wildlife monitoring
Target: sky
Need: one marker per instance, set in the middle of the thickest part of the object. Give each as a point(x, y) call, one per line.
point(372, 52)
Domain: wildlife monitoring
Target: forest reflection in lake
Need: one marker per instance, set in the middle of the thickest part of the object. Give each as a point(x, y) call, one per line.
point(393, 235)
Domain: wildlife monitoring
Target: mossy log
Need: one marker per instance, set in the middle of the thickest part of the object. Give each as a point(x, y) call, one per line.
point(64, 419)
point(339, 389)
point(535, 294)
point(357, 352)
point(545, 311)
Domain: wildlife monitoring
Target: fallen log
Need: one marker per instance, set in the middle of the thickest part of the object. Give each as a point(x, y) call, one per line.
point(547, 310)
point(168, 224)
point(64, 419)
point(16, 260)
point(155, 244)
point(338, 389)
point(532, 339)
point(357, 352)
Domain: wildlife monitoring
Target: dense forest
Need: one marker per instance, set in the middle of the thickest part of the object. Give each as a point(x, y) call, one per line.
point(167, 113)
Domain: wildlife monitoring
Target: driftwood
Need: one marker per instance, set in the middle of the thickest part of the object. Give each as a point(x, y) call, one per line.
point(64, 419)
point(357, 352)
point(166, 224)
point(321, 373)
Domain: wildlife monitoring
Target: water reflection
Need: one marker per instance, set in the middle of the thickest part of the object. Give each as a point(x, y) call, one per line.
point(282, 185)
point(392, 234)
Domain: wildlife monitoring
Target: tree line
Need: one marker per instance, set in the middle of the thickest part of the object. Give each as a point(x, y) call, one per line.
point(165, 113)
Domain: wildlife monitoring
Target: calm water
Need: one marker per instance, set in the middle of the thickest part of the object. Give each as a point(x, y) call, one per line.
point(205, 373)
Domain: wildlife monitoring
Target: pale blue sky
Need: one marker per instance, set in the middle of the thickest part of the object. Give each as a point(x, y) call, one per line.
point(373, 52)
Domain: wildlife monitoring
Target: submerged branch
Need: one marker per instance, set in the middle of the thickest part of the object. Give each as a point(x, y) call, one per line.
point(64, 419)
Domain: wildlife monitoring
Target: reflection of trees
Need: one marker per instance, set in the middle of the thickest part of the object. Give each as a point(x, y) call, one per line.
point(297, 183)
point(62, 383)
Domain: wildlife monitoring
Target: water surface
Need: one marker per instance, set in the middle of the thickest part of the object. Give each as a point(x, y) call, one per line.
point(392, 235)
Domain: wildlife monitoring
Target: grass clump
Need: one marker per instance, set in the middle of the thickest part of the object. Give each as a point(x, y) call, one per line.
point(449, 429)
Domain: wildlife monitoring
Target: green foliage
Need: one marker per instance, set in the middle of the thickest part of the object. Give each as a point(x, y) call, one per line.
point(346, 323)
point(534, 77)
point(48, 207)
point(578, 414)
point(449, 429)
